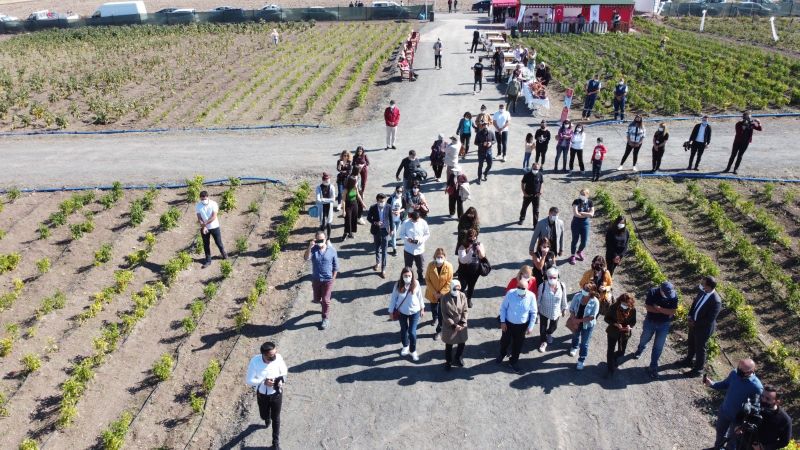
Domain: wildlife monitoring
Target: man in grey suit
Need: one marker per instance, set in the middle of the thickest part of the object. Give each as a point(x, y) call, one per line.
point(380, 216)
point(552, 228)
point(702, 322)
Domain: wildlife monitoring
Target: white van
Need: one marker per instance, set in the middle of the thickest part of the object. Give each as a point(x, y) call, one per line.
point(122, 9)
point(382, 4)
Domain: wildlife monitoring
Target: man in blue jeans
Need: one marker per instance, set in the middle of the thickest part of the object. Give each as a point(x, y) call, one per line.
point(741, 385)
point(661, 304)
point(484, 140)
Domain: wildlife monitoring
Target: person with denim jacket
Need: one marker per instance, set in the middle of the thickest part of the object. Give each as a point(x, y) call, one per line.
point(661, 304)
point(584, 307)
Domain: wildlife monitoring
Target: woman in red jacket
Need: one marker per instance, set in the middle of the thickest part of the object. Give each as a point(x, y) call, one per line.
point(525, 273)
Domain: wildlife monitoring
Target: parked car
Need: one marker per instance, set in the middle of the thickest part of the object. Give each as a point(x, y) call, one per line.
point(227, 14)
point(319, 13)
point(135, 8)
point(272, 7)
point(750, 9)
point(166, 10)
point(46, 14)
point(5, 18)
point(270, 13)
point(695, 8)
point(481, 6)
point(390, 10)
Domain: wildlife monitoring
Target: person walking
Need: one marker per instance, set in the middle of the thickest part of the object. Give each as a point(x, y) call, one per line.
point(576, 148)
point(437, 156)
point(464, 132)
point(552, 228)
point(449, 6)
point(501, 119)
point(437, 53)
point(476, 39)
point(451, 154)
point(353, 204)
point(344, 166)
point(484, 117)
point(743, 138)
point(467, 221)
point(398, 203)
point(207, 211)
point(414, 232)
point(417, 202)
point(593, 87)
point(601, 277)
point(409, 166)
point(513, 90)
point(324, 268)
point(275, 37)
point(455, 5)
point(532, 184)
point(740, 387)
point(454, 315)
point(361, 164)
point(702, 319)
point(564, 138)
point(661, 303)
point(598, 155)
point(583, 310)
point(438, 276)
point(406, 300)
point(484, 140)
point(660, 138)
point(529, 146)
point(543, 259)
point(552, 304)
point(517, 318)
point(620, 98)
point(382, 230)
point(498, 60)
point(699, 140)
point(635, 135)
point(525, 274)
point(542, 138)
point(582, 212)
point(456, 181)
point(477, 73)
point(267, 373)
point(470, 253)
point(326, 198)
point(621, 318)
point(617, 239)
point(391, 116)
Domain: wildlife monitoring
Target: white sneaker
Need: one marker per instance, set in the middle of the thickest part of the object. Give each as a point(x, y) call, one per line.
point(543, 347)
point(620, 168)
point(414, 356)
point(635, 169)
point(404, 351)
point(473, 92)
point(338, 208)
point(573, 352)
point(580, 365)
point(362, 221)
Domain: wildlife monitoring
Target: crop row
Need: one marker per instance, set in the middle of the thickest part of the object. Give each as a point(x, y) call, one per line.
point(750, 30)
point(763, 219)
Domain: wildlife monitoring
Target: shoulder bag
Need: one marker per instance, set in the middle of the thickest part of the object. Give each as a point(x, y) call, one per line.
point(396, 310)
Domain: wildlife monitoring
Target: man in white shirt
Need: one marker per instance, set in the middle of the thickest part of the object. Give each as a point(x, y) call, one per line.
point(207, 211)
point(501, 120)
point(267, 373)
point(414, 233)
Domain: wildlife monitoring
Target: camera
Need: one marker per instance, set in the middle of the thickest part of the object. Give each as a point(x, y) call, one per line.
point(749, 419)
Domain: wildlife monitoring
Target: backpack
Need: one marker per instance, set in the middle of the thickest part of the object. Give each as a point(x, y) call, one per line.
point(420, 174)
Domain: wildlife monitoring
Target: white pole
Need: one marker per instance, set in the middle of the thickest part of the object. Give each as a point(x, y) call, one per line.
point(772, 24)
point(703, 21)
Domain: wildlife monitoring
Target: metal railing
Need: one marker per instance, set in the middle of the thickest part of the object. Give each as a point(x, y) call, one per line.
point(528, 28)
point(762, 8)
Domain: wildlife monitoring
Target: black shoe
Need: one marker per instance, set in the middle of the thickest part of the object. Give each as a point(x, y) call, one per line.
point(276, 445)
point(520, 221)
point(685, 362)
point(485, 178)
point(267, 423)
point(460, 362)
point(693, 373)
point(726, 170)
point(735, 172)
point(515, 369)
point(469, 303)
point(206, 264)
point(653, 374)
point(448, 366)
point(394, 148)
point(224, 256)
point(499, 359)
point(637, 355)
point(696, 169)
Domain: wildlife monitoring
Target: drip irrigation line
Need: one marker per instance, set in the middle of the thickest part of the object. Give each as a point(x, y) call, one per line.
point(214, 182)
point(160, 130)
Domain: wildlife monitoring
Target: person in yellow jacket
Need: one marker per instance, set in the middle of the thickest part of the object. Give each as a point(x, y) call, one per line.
point(438, 276)
point(601, 277)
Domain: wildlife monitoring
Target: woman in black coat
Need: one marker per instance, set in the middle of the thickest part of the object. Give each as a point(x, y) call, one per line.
point(621, 318)
point(617, 237)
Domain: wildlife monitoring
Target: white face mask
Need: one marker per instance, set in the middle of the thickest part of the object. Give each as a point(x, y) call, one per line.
point(204, 201)
point(584, 292)
point(701, 287)
point(552, 282)
point(623, 306)
point(535, 171)
point(439, 261)
point(454, 293)
point(583, 198)
point(407, 280)
point(521, 291)
point(661, 129)
point(414, 190)
point(545, 250)
point(620, 226)
point(553, 219)
point(381, 204)
point(326, 183)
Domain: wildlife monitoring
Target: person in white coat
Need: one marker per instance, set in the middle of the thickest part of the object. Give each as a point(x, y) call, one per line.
point(326, 202)
point(414, 233)
point(267, 373)
point(407, 301)
point(576, 148)
point(451, 154)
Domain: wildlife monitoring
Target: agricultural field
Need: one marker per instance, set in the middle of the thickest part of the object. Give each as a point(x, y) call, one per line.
point(88, 280)
point(750, 30)
point(668, 82)
point(748, 237)
point(193, 75)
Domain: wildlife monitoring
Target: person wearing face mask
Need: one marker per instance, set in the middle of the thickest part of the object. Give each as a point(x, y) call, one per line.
point(457, 182)
point(454, 315)
point(437, 156)
point(353, 206)
point(517, 319)
point(207, 211)
point(564, 138)
point(702, 320)
point(529, 146)
point(552, 304)
point(583, 310)
point(620, 97)
point(467, 221)
point(699, 140)
point(409, 166)
point(743, 138)
point(407, 300)
point(621, 318)
point(543, 260)
point(659, 145)
point(552, 228)
point(451, 154)
point(576, 148)
point(582, 212)
point(617, 238)
point(398, 203)
point(344, 166)
point(635, 135)
point(600, 276)
point(267, 373)
point(592, 89)
point(414, 232)
point(484, 117)
point(501, 119)
point(661, 303)
point(598, 155)
point(531, 193)
point(775, 430)
point(416, 201)
point(470, 253)
point(740, 386)
point(484, 140)
point(438, 276)
point(361, 163)
point(391, 115)
point(464, 133)
point(324, 268)
point(542, 138)
point(326, 199)
point(382, 230)
point(525, 274)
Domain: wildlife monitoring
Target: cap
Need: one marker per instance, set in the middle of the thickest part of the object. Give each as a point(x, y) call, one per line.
point(455, 283)
point(325, 176)
point(668, 288)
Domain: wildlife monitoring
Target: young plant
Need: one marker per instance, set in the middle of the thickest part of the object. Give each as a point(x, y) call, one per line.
point(9, 262)
point(136, 213)
point(189, 325)
point(252, 208)
point(197, 402)
point(176, 265)
point(241, 244)
point(30, 363)
point(228, 202)
point(226, 268)
point(162, 369)
point(102, 255)
point(195, 185)
point(44, 232)
point(197, 307)
point(169, 219)
point(210, 375)
point(43, 265)
point(210, 290)
point(13, 194)
point(114, 436)
point(28, 444)
point(769, 191)
point(4, 402)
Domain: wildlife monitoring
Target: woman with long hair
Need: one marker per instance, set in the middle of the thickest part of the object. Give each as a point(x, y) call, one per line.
point(407, 300)
point(467, 221)
point(353, 203)
point(343, 168)
point(583, 312)
point(617, 237)
point(470, 253)
point(621, 318)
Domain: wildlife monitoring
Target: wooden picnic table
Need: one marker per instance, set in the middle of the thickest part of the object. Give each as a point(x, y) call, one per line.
point(501, 45)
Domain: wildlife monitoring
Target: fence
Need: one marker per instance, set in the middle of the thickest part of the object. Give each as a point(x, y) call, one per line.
point(745, 9)
point(231, 16)
point(565, 27)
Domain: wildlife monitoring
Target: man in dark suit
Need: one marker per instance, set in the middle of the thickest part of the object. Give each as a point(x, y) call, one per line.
point(702, 322)
point(698, 141)
point(380, 216)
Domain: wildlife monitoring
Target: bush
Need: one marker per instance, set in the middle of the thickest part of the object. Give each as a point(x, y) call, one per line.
point(210, 375)
point(162, 369)
point(29, 444)
point(136, 213)
point(189, 325)
point(114, 436)
point(9, 262)
point(228, 202)
point(210, 290)
point(194, 188)
point(30, 363)
point(176, 265)
point(102, 255)
point(241, 244)
point(226, 268)
point(6, 345)
point(197, 307)
point(197, 402)
point(169, 219)
point(43, 265)
point(261, 284)
point(113, 196)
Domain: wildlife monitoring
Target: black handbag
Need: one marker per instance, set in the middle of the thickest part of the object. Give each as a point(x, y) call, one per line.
point(484, 267)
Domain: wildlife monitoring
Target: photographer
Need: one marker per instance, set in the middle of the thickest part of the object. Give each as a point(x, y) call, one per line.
point(774, 426)
point(741, 386)
point(744, 135)
point(267, 373)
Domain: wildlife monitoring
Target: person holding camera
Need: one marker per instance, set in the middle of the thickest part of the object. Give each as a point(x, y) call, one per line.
point(741, 386)
point(774, 430)
point(743, 138)
point(267, 373)
point(409, 166)
point(324, 267)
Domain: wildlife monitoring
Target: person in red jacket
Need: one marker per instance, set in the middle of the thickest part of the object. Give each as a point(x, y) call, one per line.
point(743, 138)
point(598, 155)
point(392, 118)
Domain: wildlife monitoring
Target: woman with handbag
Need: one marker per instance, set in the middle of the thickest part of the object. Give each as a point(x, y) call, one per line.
point(583, 317)
point(438, 276)
point(601, 277)
point(437, 156)
point(417, 202)
point(454, 313)
point(353, 203)
point(467, 221)
point(453, 190)
point(464, 132)
point(470, 255)
point(552, 304)
point(621, 318)
point(343, 168)
point(407, 306)
point(543, 259)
